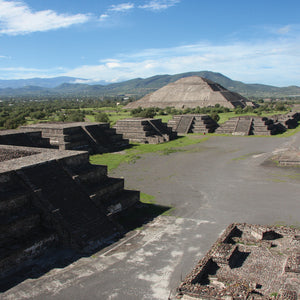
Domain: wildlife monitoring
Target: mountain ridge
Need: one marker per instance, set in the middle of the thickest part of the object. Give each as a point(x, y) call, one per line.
point(137, 87)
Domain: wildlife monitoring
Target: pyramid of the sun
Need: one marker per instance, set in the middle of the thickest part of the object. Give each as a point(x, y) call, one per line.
point(191, 92)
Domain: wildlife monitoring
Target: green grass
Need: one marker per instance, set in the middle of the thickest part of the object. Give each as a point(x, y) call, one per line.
point(145, 198)
point(113, 160)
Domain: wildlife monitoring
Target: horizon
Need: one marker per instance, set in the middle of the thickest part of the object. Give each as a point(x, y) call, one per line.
point(116, 41)
point(102, 82)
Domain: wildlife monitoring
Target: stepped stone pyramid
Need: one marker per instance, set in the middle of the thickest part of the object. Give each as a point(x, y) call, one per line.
point(93, 137)
point(148, 131)
point(249, 125)
point(193, 124)
point(191, 92)
point(51, 198)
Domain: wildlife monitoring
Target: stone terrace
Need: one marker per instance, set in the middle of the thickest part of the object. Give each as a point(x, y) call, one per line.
point(148, 131)
point(248, 262)
point(52, 198)
point(248, 125)
point(193, 124)
point(93, 137)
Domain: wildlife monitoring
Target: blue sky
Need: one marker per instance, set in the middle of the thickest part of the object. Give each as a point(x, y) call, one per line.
point(251, 41)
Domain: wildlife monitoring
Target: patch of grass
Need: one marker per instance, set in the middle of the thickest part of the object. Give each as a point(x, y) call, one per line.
point(113, 160)
point(145, 198)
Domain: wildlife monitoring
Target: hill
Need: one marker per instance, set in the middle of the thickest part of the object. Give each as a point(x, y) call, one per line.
point(137, 87)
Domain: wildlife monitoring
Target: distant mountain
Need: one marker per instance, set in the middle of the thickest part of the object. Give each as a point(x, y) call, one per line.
point(41, 82)
point(138, 87)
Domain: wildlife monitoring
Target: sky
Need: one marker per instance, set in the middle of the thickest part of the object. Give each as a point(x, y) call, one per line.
point(254, 41)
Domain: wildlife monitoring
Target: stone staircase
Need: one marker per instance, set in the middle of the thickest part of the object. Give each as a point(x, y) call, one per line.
point(244, 125)
point(60, 200)
point(193, 123)
point(228, 127)
point(24, 234)
point(148, 131)
point(248, 125)
point(263, 126)
point(184, 124)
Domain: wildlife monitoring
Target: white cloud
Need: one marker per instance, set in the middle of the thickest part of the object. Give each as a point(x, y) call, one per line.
point(121, 7)
point(17, 18)
point(284, 30)
point(103, 17)
point(270, 62)
point(158, 5)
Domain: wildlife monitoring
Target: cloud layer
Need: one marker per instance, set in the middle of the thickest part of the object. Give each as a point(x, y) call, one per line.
point(278, 60)
point(17, 18)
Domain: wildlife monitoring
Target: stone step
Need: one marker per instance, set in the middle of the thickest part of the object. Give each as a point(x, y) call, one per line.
point(106, 189)
point(13, 201)
point(122, 201)
point(18, 227)
point(23, 250)
point(89, 173)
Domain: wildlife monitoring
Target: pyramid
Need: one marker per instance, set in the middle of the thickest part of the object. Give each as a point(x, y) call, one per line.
point(191, 92)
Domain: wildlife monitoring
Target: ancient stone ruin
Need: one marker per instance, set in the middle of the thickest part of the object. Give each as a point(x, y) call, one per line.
point(148, 131)
point(248, 262)
point(53, 198)
point(193, 124)
point(93, 137)
point(250, 125)
point(191, 92)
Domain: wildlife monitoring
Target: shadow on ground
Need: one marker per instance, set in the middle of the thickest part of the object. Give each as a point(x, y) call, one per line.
point(59, 258)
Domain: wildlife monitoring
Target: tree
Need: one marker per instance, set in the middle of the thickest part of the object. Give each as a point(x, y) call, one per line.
point(102, 117)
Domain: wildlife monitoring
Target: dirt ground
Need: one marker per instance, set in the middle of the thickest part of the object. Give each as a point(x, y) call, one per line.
point(209, 186)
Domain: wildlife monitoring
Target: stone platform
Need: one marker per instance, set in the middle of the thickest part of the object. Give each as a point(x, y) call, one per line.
point(248, 262)
point(196, 123)
point(53, 198)
point(92, 137)
point(147, 131)
point(249, 125)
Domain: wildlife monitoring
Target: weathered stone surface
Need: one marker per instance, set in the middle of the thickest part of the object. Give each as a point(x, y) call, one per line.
point(247, 262)
point(192, 124)
point(148, 131)
point(250, 125)
point(55, 198)
point(93, 137)
point(191, 92)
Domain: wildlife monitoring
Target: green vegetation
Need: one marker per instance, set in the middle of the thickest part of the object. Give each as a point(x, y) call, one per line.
point(113, 160)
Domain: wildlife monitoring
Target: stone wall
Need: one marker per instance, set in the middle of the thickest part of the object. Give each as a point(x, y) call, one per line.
point(247, 262)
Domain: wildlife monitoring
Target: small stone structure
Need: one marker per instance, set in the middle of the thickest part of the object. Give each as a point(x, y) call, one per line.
point(148, 131)
point(289, 157)
point(250, 125)
point(193, 124)
point(248, 262)
point(28, 138)
point(93, 137)
point(289, 120)
point(55, 198)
